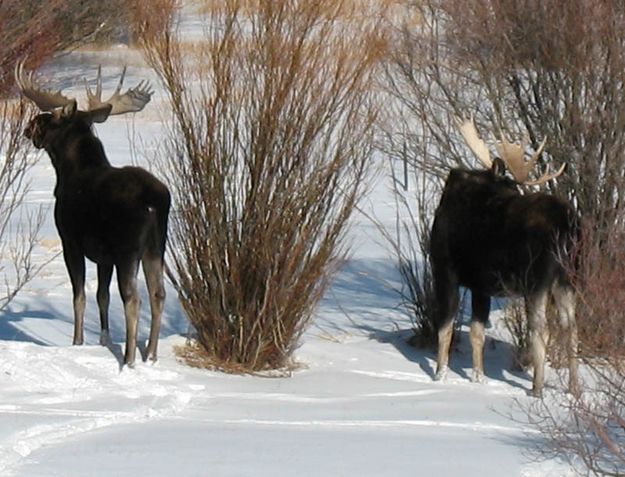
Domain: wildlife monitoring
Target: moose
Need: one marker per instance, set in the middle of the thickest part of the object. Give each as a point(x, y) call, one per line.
point(493, 239)
point(115, 217)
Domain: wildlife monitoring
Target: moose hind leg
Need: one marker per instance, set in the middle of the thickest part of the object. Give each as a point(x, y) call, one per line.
point(127, 281)
point(536, 313)
point(105, 272)
point(75, 263)
point(564, 296)
point(480, 307)
point(153, 270)
point(447, 295)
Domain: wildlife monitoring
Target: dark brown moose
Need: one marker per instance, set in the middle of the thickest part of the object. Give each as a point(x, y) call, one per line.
point(489, 237)
point(116, 217)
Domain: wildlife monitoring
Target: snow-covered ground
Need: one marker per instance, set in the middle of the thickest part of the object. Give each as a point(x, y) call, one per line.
point(362, 403)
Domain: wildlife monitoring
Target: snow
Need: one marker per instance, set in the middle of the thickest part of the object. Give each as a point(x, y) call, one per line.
point(361, 403)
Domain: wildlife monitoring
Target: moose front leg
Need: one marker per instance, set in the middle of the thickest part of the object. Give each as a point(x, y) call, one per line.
point(536, 311)
point(105, 272)
point(75, 263)
point(480, 308)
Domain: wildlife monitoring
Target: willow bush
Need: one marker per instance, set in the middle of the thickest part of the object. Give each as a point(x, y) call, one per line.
point(268, 146)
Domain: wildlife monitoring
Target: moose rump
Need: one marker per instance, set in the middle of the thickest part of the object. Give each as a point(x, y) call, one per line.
point(490, 238)
point(113, 213)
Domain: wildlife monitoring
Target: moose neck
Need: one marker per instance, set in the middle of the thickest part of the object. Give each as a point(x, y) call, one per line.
point(75, 151)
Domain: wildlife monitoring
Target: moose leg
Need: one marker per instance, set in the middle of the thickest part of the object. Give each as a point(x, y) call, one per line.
point(127, 281)
point(564, 297)
point(447, 296)
point(480, 307)
point(75, 263)
point(536, 312)
point(153, 271)
point(105, 272)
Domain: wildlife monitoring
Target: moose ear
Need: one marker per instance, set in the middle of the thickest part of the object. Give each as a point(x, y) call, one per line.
point(69, 110)
point(101, 114)
point(498, 168)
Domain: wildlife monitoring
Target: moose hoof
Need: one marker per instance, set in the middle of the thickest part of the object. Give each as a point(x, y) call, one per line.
point(104, 338)
point(575, 390)
point(129, 362)
point(478, 377)
point(441, 374)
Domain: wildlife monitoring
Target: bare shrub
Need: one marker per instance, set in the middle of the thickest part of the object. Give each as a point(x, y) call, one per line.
point(19, 228)
point(268, 147)
point(41, 29)
point(589, 431)
point(554, 69)
point(515, 321)
point(547, 69)
point(409, 240)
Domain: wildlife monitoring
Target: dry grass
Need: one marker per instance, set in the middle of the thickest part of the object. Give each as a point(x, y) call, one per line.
point(194, 355)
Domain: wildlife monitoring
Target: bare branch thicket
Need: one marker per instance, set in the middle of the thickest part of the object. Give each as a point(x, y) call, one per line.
point(19, 227)
point(425, 94)
point(36, 29)
point(408, 239)
point(589, 431)
point(547, 69)
point(551, 69)
point(268, 148)
point(41, 29)
point(554, 69)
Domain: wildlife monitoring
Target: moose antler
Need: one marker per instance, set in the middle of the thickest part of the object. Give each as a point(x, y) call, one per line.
point(512, 154)
point(472, 138)
point(44, 99)
point(131, 101)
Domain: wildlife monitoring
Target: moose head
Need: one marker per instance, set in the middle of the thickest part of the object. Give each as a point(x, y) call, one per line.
point(59, 111)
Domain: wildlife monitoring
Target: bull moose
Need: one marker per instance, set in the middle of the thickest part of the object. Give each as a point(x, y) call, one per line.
point(116, 217)
point(493, 239)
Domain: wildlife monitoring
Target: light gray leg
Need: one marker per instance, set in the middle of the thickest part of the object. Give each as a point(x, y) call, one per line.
point(477, 348)
point(445, 333)
point(565, 301)
point(79, 316)
point(536, 313)
point(127, 278)
point(448, 299)
point(154, 276)
point(480, 308)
